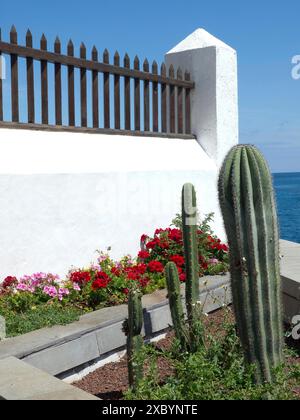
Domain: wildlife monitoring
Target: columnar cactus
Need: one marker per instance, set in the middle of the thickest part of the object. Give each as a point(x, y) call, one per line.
point(173, 285)
point(191, 253)
point(247, 201)
point(189, 338)
point(133, 327)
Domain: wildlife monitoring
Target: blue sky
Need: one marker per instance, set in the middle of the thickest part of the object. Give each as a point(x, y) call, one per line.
point(266, 35)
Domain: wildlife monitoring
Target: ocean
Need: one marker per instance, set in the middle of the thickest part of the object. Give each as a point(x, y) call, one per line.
point(287, 187)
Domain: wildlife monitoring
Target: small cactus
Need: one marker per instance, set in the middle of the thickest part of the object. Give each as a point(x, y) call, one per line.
point(132, 328)
point(248, 205)
point(173, 285)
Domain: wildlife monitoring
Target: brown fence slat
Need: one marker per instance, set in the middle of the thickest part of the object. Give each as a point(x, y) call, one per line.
point(44, 83)
point(95, 90)
point(155, 99)
point(172, 101)
point(146, 99)
point(127, 101)
point(88, 64)
point(117, 106)
point(57, 83)
point(188, 130)
point(14, 78)
point(179, 104)
point(106, 90)
point(1, 88)
point(137, 98)
point(30, 81)
point(83, 89)
point(71, 88)
point(163, 72)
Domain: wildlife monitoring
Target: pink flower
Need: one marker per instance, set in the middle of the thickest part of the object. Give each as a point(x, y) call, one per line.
point(50, 291)
point(213, 261)
point(23, 287)
point(76, 287)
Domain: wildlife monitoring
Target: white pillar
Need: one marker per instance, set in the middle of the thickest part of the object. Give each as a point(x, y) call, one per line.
point(214, 101)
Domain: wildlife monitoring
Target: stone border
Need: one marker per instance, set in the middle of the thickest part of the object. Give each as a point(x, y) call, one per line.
point(66, 350)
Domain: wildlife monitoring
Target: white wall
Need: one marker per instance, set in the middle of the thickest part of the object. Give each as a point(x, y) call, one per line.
point(65, 195)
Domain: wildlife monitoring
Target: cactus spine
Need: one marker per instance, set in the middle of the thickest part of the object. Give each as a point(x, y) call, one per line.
point(190, 339)
point(247, 201)
point(134, 339)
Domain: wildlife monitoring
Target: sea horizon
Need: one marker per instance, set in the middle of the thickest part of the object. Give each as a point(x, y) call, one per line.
point(287, 189)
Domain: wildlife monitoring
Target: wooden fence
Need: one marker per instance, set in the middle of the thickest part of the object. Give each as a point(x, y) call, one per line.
point(156, 103)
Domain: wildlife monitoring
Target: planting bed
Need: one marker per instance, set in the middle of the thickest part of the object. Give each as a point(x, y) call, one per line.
point(110, 382)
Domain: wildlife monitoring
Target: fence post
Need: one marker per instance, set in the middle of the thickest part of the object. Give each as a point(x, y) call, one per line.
point(214, 101)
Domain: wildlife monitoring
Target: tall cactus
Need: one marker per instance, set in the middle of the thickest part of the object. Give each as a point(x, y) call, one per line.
point(247, 201)
point(132, 328)
point(191, 254)
point(189, 230)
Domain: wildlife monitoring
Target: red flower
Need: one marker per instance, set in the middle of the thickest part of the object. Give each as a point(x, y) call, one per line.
point(80, 277)
point(9, 281)
point(159, 231)
point(144, 282)
point(126, 291)
point(153, 244)
point(175, 235)
point(204, 265)
point(155, 267)
point(140, 268)
point(164, 245)
point(136, 271)
point(133, 275)
point(182, 277)
point(143, 255)
point(101, 281)
point(144, 238)
point(178, 260)
point(115, 271)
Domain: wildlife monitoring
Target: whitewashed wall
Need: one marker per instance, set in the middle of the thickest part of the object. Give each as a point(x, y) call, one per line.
point(65, 195)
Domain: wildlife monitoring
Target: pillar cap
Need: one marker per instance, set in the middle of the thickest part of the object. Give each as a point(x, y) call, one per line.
point(200, 38)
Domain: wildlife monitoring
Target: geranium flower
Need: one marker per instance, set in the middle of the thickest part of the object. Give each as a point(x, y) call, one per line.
point(101, 281)
point(178, 260)
point(175, 235)
point(155, 267)
point(9, 282)
point(80, 277)
point(116, 271)
point(143, 255)
point(182, 277)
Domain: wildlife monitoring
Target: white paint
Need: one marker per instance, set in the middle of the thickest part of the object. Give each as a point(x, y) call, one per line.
point(113, 358)
point(213, 68)
point(63, 196)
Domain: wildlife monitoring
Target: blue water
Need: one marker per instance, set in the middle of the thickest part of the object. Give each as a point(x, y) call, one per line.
point(287, 188)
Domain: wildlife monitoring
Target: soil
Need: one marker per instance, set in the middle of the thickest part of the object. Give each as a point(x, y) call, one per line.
point(111, 381)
